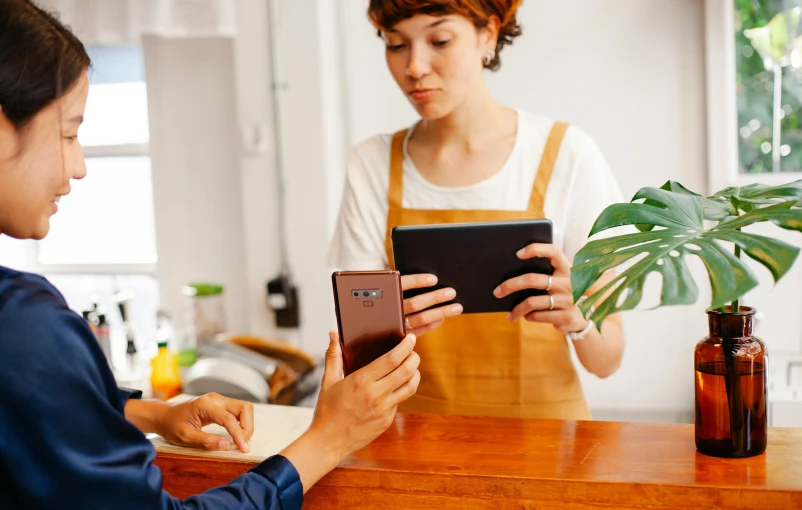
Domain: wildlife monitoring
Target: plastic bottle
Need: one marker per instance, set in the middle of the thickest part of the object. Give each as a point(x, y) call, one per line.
point(165, 379)
point(123, 298)
point(104, 336)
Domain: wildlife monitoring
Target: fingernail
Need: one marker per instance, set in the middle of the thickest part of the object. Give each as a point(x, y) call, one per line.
point(224, 444)
point(414, 339)
point(247, 447)
point(431, 279)
point(521, 252)
point(456, 309)
point(509, 317)
point(451, 294)
point(497, 291)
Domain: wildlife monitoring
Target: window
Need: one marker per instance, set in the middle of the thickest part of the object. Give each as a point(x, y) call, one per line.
point(769, 85)
point(742, 142)
point(107, 220)
point(103, 239)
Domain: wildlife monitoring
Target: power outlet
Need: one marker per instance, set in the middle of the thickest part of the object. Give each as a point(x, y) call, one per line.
point(282, 298)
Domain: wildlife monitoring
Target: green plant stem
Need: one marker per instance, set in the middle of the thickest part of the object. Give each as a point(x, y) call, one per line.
point(733, 381)
point(736, 304)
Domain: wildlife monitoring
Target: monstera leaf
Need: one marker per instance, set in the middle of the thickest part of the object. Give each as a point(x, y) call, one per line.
point(749, 197)
point(674, 223)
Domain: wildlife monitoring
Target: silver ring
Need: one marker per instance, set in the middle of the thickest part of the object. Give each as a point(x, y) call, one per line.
point(551, 302)
point(407, 73)
point(548, 287)
point(406, 323)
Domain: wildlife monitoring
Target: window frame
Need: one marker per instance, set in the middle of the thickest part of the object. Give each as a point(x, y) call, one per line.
point(722, 103)
point(32, 251)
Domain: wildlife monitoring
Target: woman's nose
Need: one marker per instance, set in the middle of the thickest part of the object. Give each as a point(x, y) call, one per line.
point(418, 65)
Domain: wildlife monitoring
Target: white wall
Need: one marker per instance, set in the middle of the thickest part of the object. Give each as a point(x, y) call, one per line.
point(215, 171)
point(258, 187)
point(196, 175)
point(313, 155)
point(629, 72)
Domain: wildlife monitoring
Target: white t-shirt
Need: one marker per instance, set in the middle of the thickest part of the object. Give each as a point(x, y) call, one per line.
point(581, 187)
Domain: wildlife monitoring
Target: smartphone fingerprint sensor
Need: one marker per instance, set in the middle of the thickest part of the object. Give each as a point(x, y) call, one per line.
point(367, 304)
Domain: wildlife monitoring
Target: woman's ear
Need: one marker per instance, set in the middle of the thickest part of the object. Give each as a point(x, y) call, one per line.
point(491, 32)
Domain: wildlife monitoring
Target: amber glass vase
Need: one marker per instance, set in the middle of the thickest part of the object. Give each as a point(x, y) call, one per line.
point(731, 386)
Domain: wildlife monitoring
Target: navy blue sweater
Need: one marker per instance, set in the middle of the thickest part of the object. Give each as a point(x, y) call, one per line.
point(64, 439)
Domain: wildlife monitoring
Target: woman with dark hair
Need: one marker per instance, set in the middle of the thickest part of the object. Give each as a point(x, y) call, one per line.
point(471, 159)
point(69, 437)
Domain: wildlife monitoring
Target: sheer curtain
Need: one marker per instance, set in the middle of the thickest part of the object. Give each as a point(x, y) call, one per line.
point(99, 22)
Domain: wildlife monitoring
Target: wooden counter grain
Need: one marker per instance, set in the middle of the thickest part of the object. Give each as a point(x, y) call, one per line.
point(450, 462)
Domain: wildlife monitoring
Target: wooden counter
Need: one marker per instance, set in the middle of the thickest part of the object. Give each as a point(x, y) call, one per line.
point(448, 462)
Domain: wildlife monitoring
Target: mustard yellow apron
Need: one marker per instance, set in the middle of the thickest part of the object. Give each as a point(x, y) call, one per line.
point(482, 364)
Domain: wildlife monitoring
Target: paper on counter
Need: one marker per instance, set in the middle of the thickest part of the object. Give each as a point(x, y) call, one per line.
point(275, 427)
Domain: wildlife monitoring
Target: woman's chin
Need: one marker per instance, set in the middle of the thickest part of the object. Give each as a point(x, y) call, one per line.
point(41, 230)
point(432, 111)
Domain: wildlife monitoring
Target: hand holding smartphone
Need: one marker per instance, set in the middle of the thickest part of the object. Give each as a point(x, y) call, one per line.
point(370, 315)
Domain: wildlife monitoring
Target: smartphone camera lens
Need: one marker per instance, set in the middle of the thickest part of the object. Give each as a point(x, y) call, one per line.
point(366, 293)
point(356, 294)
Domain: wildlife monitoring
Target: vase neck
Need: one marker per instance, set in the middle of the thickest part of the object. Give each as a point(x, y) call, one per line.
point(731, 325)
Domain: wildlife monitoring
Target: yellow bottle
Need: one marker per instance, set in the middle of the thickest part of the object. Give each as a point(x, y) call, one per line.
point(165, 379)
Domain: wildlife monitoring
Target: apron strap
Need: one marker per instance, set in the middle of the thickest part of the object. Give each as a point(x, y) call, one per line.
point(550, 152)
point(396, 189)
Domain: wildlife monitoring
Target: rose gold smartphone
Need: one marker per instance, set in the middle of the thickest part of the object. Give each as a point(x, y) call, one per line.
point(370, 315)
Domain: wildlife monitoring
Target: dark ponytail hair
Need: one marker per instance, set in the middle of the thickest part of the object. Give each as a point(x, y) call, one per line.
point(40, 60)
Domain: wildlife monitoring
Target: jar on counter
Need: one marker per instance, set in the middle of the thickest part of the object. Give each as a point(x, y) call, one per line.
point(206, 318)
point(731, 389)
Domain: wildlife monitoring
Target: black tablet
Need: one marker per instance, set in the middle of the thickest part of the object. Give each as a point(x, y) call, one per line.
point(473, 259)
